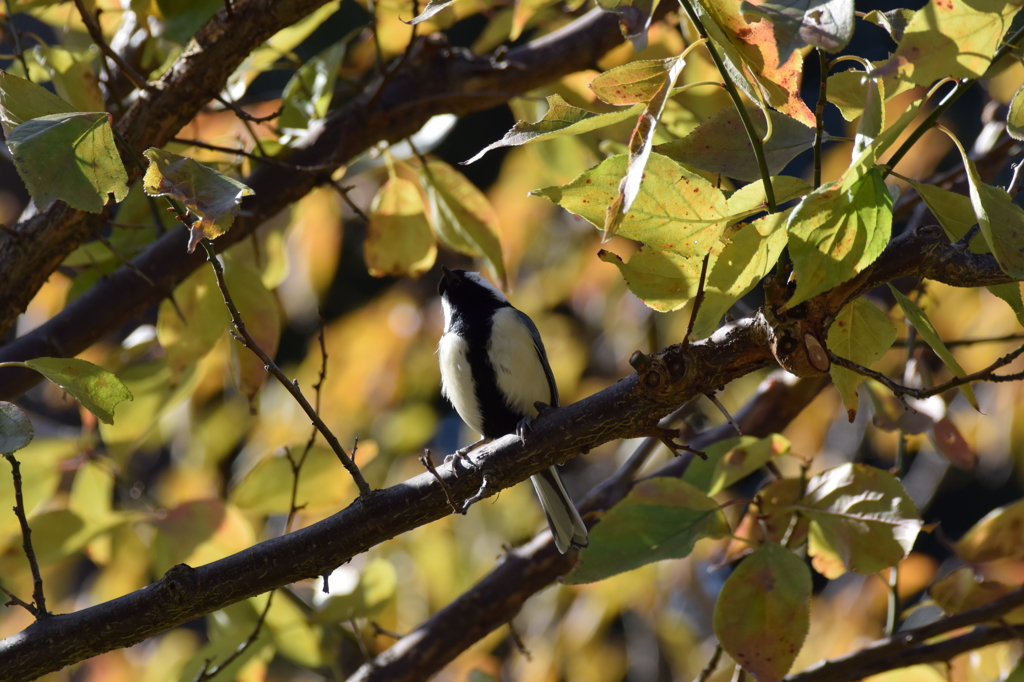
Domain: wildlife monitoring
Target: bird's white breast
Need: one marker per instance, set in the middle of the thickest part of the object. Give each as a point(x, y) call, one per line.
point(517, 365)
point(457, 379)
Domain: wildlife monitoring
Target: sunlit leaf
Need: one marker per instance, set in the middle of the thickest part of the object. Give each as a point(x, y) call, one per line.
point(749, 254)
point(22, 100)
point(307, 95)
point(198, 532)
point(523, 12)
point(259, 311)
point(463, 218)
point(660, 518)
point(836, 232)
point(95, 388)
point(872, 119)
point(676, 210)
point(1015, 116)
point(15, 428)
point(663, 280)
point(951, 38)
point(848, 90)
point(432, 8)
point(640, 143)
point(1001, 222)
point(962, 590)
point(763, 613)
point(861, 333)
point(634, 82)
point(69, 156)
point(561, 119)
point(894, 21)
point(213, 197)
point(376, 586)
point(267, 486)
point(924, 327)
point(721, 144)
point(731, 459)
point(92, 493)
point(996, 536)
point(398, 241)
point(825, 24)
point(750, 199)
point(862, 520)
point(294, 636)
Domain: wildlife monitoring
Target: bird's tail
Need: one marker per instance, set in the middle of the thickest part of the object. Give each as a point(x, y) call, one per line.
point(567, 527)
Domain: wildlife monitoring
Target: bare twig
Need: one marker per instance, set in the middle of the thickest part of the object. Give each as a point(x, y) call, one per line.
point(245, 115)
point(19, 51)
point(819, 113)
point(290, 386)
point(343, 191)
point(125, 261)
point(712, 665)
point(728, 417)
point(206, 673)
point(698, 299)
point(15, 601)
point(26, 541)
point(920, 343)
point(428, 464)
point(96, 33)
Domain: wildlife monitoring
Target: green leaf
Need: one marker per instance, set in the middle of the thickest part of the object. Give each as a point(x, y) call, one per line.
point(996, 536)
point(182, 18)
point(763, 613)
point(71, 157)
point(862, 333)
point(661, 518)
point(676, 209)
point(872, 119)
point(377, 585)
point(732, 459)
point(1015, 116)
point(954, 39)
point(560, 120)
point(212, 196)
point(95, 388)
point(262, 490)
point(924, 327)
point(848, 90)
point(954, 211)
point(894, 21)
point(307, 96)
point(399, 241)
point(640, 143)
point(836, 232)
point(862, 520)
point(634, 82)
point(663, 280)
point(15, 428)
point(22, 100)
point(463, 218)
point(720, 144)
point(749, 254)
point(825, 24)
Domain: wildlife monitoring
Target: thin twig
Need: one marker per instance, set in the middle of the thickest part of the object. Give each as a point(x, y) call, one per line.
point(297, 465)
point(697, 300)
point(728, 417)
point(428, 464)
point(343, 191)
point(900, 390)
point(19, 51)
point(271, 366)
point(26, 540)
point(378, 630)
point(269, 160)
point(712, 665)
point(208, 674)
point(96, 33)
point(245, 115)
point(124, 260)
point(518, 641)
point(15, 601)
point(919, 343)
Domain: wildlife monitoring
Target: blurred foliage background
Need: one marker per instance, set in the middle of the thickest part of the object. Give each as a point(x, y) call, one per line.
point(195, 468)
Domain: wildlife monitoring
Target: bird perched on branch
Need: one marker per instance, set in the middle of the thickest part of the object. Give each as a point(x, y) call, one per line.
point(493, 369)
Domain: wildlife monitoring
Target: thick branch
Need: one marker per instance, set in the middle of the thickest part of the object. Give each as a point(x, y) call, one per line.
point(524, 571)
point(432, 80)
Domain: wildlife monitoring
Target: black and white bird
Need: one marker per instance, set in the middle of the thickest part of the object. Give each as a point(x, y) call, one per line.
point(493, 369)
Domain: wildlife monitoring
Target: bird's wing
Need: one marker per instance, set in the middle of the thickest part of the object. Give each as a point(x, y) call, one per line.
point(542, 354)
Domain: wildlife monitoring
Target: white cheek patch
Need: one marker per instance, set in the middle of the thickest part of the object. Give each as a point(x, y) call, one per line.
point(518, 369)
point(457, 379)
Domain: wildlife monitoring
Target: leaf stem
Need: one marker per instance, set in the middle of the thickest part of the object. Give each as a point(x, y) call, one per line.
point(26, 540)
point(748, 124)
point(819, 114)
point(289, 385)
point(96, 33)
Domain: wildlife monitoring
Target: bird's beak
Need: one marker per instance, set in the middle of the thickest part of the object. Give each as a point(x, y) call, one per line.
point(449, 275)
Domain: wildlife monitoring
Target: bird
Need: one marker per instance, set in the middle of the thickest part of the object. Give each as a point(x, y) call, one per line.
point(493, 370)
